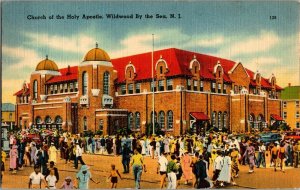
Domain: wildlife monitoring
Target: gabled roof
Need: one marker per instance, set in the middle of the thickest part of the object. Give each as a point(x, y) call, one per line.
point(21, 92)
point(67, 74)
point(178, 61)
point(290, 92)
point(264, 82)
point(8, 107)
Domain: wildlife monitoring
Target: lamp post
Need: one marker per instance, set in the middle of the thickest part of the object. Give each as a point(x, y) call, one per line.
point(153, 114)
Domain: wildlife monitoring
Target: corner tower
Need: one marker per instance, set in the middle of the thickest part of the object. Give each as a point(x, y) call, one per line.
point(96, 77)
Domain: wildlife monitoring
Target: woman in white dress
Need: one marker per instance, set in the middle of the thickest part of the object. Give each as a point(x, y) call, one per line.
point(225, 174)
point(143, 146)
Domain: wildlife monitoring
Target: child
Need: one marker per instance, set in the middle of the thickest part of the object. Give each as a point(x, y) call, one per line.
point(3, 156)
point(51, 180)
point(67, 184)
point(114, 173)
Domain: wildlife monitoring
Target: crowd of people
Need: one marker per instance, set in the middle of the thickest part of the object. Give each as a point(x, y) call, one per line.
point(187, 158)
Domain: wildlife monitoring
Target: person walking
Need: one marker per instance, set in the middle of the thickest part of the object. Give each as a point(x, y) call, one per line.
point(171, 172)
point(114, 173)
point(78, 154)
point(186, 162)
point(83, 177)
point(162, 169)
point(13, 156)
point(51, 180)
point(53, 153)
point(281, 156)
point(125, 158)
point(225, 174)
point(250, 156)
point(235, 164)
point(200, 171)
point(261, 159)
point(218, 164)
point(137, 164)
point(36, 178)
point(68, 184)
point(274, 155)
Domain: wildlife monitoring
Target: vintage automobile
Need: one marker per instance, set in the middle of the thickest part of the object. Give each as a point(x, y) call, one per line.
point(292, 135)
point(270, 137)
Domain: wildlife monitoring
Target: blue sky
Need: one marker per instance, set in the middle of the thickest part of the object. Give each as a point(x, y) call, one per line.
point(240, 31)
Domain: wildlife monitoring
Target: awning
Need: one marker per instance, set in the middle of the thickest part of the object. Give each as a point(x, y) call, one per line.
point(276, 117)
point(199, 116)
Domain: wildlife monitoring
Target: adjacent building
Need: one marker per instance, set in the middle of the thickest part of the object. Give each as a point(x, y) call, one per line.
point(187, 91)
point(291, 106)
point(8, 115)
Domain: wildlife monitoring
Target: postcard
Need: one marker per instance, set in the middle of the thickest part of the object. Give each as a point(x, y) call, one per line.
point(150, 94)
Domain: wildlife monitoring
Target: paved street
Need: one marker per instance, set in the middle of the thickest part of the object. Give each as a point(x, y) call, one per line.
point(100, 166)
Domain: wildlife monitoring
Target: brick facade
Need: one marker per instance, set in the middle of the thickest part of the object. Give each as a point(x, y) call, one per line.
point(119, 94)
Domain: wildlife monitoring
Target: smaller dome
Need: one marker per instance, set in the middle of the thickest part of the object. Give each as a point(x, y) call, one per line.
point(97, 54)
point(47, 64)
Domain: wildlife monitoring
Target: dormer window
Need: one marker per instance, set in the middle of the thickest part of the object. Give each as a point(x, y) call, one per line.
point(194, 67)
point(130, 71)
point(161, 67)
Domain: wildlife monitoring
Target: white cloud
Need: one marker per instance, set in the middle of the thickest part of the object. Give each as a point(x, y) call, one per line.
point(210, 41)
point(79, 43)
point(26, 57)
point(255, 44)
point(141, 42)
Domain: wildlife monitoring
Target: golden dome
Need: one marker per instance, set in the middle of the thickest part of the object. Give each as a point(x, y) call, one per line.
point(97, 54)
point(47, 64)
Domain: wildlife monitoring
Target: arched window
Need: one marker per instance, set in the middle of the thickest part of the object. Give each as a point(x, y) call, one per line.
point(225, 120)
point(106, 83)
point(161, 119)
point(170, 119)
point(38, 120)
point(130, 120)
point(84, 123)
point(35, 89)
point(58, 119)
point(220, 120)
point(155, 117)
point(84, 83)
point(213, 119)
point(137, 120)
point(48, 119)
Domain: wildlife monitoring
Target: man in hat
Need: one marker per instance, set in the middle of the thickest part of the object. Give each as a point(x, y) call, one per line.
point(83, 177)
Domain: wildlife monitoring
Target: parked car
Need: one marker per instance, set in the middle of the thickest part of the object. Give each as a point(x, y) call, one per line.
point(269, 137)
point(293, 135)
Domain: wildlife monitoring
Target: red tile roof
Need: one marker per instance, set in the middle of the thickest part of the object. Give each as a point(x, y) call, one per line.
point(199, 116)
point(177, 60)
point(178, 63)
point(66, 75)
point(21, 92)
